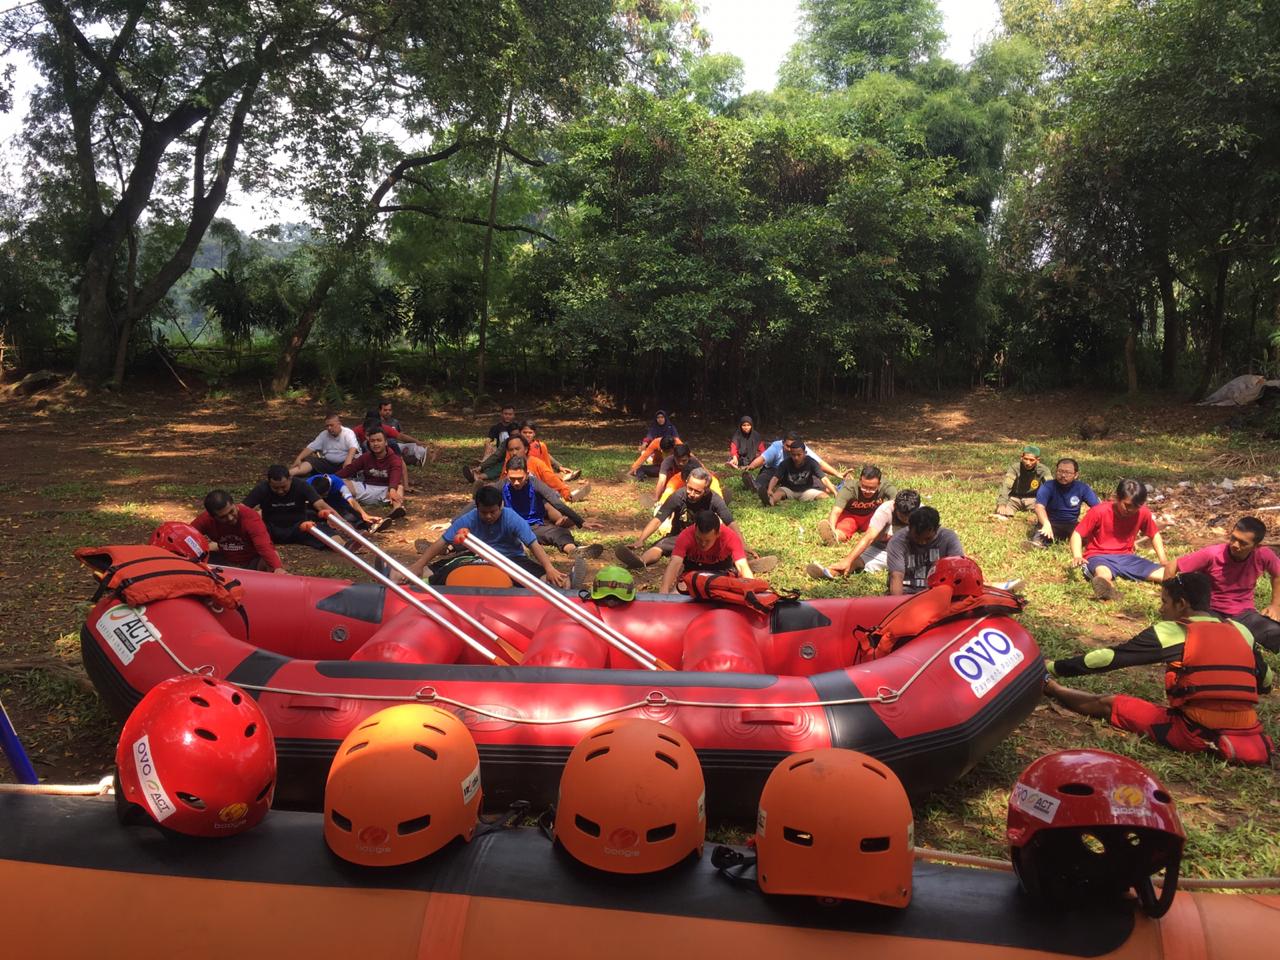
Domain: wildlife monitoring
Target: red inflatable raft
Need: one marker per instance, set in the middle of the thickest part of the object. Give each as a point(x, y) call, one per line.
point(321, 655)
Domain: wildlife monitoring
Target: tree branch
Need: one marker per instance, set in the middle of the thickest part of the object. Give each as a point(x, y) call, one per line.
point(474, 221)
point(106, 70)
point(528, 161)
point(409, 163)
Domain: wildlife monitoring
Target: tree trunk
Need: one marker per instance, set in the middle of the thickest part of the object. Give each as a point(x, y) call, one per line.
point(301, 330)
point(95, 324)
point(488, 251)
point(1175, 327)
point(1131, 346)
point(131, 306)
point(1217, 312)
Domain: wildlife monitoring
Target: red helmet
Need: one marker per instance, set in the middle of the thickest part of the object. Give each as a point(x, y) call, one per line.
point(962, 574)
point(197, 756)
point(180, 538)
point(1085, 823)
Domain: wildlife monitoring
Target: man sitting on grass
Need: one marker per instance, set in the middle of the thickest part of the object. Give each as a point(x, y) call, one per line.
point(1022, 482)
point(539, 506)
point(856, 502)
point(798, 477)
point(237, 535)
point(1216, 674)
point(1111, 529)
point(1233, 568)
point(333, 448)
point(1057, 505)
point(497, 525)
point(683, 507)
point(871, 552)
point(284, 502)
point(914, 552)
point(707, 545)
point(381, 471)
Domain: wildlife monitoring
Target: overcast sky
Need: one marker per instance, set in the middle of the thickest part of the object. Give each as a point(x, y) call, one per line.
point(759, 31)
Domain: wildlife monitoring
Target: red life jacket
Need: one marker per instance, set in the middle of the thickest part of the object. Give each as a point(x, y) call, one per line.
point(745, 591)
point(922, 611)
point(1217, 666)
point(141, 575)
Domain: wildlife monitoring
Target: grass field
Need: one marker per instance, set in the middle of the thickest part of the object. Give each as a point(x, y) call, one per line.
point(109, 474)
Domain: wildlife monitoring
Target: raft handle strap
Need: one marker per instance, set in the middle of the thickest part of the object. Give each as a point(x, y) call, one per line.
point(734, 866)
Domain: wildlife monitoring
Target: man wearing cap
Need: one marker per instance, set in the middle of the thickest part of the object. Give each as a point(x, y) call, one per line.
point(1022, 482)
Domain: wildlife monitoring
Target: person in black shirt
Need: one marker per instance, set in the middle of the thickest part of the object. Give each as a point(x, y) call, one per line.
point(495, 448)
point(283, 501)
point(799, 477)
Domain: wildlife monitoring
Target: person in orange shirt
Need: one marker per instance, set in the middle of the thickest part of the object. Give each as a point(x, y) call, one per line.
point(541, 469)
point(537, 450)
point(651, 457)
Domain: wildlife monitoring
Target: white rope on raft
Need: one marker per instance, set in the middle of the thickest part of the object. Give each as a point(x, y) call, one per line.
point(655, 698)
point(100, 789)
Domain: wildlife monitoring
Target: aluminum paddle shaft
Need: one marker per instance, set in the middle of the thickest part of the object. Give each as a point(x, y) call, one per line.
point(409, 575)
point(401, 592)
point(601, 629)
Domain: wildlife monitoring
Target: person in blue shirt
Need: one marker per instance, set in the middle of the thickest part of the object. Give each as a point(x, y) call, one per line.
point(499, 526)
point(544, 510)
point(1058, 505)
point(339, 498)
point(772, 459)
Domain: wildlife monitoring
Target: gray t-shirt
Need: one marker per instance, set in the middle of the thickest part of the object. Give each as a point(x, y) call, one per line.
point(915, 562)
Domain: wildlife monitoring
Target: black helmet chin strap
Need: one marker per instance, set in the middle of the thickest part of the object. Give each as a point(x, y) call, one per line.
point(734, 866)
point(1153, 906)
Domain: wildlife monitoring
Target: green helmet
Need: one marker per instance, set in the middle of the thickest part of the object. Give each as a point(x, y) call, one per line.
point(614, 582)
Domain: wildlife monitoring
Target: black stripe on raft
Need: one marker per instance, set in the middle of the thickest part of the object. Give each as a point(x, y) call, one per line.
point(256, 669)
point(360, 601)
point(948, 903)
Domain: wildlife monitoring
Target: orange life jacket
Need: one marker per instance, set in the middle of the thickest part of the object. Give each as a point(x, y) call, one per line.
point(922, 611)
point(1217, 666)
point(745, 591)
point(141, 575)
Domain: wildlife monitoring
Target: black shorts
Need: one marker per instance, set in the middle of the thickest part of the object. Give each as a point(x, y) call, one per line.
point(550, 535)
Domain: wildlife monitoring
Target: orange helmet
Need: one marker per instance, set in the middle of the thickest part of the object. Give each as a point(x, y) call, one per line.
point(403, 784)
point(632, 798)
point(835, 823)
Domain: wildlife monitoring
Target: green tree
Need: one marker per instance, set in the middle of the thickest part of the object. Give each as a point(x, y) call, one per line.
point(843, 41)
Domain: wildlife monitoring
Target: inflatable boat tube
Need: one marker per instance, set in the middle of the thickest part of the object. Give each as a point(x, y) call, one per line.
point(76, 884)
point(321, 655)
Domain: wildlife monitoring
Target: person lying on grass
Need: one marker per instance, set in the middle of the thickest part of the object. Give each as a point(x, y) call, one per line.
point(1215, 676)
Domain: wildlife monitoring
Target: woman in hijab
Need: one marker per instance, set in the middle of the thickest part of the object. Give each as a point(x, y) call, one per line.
point(746, 445)
point(659, 428)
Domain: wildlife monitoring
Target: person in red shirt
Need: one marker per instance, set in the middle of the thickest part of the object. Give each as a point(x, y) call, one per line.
point(237, 535)
point(706, 545)
point(1110, 530)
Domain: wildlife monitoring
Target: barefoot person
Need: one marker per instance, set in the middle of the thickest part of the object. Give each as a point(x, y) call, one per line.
point(1216, 674)
point(1234, 569)
point(540, 470)
point(1103, 543)
point(381, 473)
point(539, 506)
point(500, 527)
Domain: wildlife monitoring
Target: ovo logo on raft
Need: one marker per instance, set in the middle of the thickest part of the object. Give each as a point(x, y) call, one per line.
point(374, 840)
point(986, 659)
point(623, 842)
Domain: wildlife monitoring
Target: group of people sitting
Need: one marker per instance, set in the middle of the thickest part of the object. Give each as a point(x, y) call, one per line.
point(341, 471)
